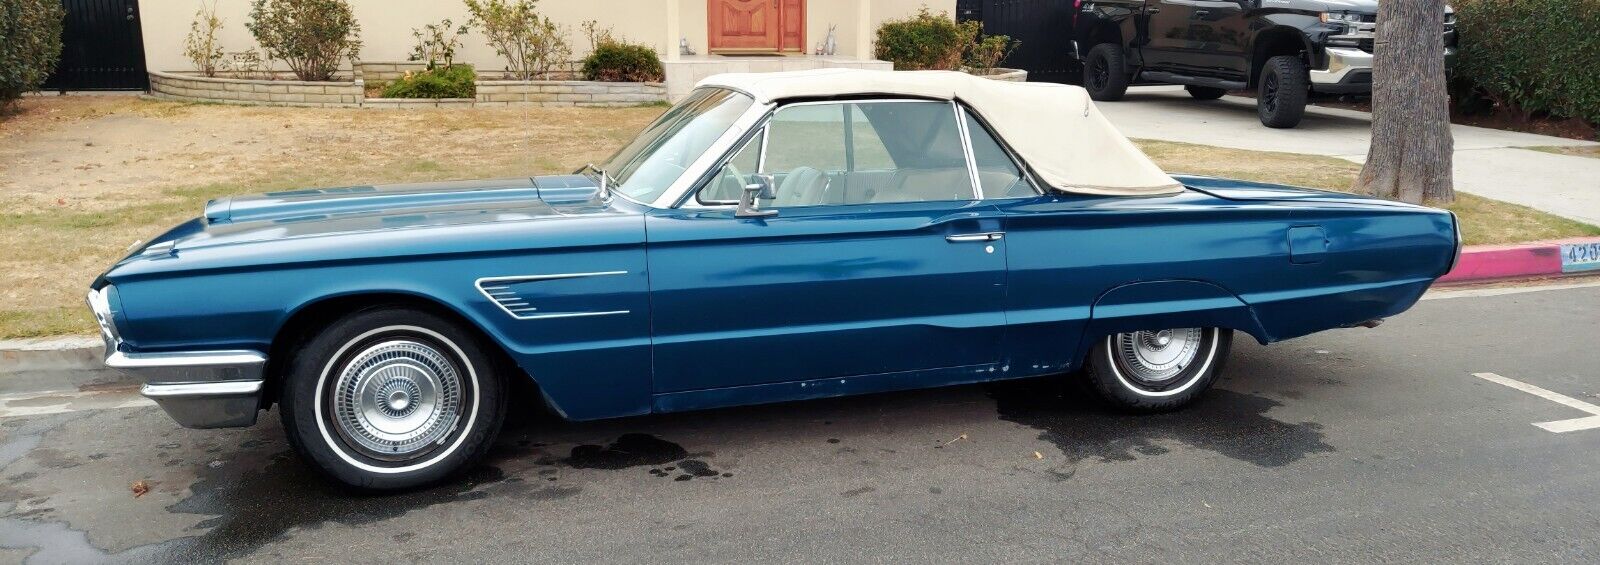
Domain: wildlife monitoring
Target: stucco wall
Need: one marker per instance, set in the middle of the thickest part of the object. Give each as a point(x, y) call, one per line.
point(386, 25)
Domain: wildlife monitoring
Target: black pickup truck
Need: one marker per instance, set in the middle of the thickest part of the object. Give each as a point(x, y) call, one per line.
point(1286, 50)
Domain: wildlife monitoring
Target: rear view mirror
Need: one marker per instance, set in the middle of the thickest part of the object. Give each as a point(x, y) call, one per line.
point(761, 187)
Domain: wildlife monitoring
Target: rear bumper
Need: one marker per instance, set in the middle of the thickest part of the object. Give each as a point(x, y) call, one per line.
point(1349, 71)
point(199, 389)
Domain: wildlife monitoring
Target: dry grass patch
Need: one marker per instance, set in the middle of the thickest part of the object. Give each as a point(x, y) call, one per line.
point(1590, 151)
point(81, 178)
point(1483, 221)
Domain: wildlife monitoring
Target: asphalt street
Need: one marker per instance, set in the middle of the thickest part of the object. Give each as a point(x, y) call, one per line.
point(1358, 445)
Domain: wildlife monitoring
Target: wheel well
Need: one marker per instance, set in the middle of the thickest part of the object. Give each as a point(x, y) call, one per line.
point(304, 323)
point(1275, 42)
point(1103, 32)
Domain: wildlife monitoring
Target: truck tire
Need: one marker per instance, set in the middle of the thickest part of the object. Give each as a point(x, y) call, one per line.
point(1281, 92)
point(1205, 92)
point(1105, 75)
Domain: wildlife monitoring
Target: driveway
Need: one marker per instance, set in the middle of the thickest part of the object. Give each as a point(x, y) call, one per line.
point(1412, 442)
point(1488, 162)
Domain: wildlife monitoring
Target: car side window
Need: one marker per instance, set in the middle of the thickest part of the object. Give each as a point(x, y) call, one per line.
point(997, 173)
point(853, 153)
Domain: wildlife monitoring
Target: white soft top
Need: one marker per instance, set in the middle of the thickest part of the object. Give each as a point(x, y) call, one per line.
point(1055, 128)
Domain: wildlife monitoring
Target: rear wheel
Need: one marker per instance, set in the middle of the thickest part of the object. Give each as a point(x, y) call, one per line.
point(1282, 91)
point(1105, 74)
point(1205, 92)
point(392, 398)
point(1155, 371)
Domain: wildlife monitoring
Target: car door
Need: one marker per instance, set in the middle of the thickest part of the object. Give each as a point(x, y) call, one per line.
point(880, 260)
point(1218, 39)
point(1168, 29)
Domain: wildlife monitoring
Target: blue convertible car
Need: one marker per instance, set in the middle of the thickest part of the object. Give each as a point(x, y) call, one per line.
point(771, 237)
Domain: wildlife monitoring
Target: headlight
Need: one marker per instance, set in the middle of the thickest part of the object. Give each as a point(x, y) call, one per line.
point(1345, 17)
point(100, 304)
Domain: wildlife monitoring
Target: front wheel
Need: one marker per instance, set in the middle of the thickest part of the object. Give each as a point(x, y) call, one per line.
point(1156, 371)
point(1282, 91)
point(392, 398)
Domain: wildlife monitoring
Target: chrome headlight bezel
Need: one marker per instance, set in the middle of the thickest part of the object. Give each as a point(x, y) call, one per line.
point(100, 304)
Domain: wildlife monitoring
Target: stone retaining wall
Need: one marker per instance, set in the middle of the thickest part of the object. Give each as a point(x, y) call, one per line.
point(385, 71)
point(180, 86)
point(568, 93)
point(267, 92)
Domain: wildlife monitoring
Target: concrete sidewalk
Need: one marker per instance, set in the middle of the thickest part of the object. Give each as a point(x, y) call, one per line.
point(1488, 162)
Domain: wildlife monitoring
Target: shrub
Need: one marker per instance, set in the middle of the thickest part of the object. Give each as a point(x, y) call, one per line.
point(923, 41)
point(531, 44)
point(1529, 56)
point(988, 52)
point(617, 60)
point(437, 41)
point(928, 41)
point(310, 36)
point(454, 81)
point(202, 46)
point(30, 45)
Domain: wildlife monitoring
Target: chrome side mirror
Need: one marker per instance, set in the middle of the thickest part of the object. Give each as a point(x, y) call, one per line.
point(761, 187)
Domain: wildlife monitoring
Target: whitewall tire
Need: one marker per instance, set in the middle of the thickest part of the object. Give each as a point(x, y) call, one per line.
point(1153, 371)
point(392, 398)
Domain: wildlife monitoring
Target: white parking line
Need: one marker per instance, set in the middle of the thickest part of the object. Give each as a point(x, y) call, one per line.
point(1558, 426)
point(64, 401)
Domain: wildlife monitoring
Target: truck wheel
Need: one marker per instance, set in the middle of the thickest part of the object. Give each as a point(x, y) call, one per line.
point(1281, 92)
point(1205, 92)
point(1156, 371)
point(392, 398)
point(1104, 74)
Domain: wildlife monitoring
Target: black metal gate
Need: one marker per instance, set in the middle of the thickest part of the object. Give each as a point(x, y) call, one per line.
point(1045, 30)
point(101, 47)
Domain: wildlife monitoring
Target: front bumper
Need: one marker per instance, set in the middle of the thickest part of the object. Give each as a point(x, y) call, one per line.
point(1349, 70)
point(198, 389)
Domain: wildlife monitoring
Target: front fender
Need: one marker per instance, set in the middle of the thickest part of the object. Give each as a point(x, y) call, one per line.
point(1156, 305)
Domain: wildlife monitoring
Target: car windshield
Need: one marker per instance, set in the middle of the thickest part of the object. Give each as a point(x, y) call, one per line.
point(644, 168)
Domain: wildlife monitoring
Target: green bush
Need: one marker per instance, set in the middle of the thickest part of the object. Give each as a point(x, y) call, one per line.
point(532, 45)
point(30, 45)
point(1529, 57)
point(454, 81)
point(311, 36)
point(925, 41)
point(620, 61)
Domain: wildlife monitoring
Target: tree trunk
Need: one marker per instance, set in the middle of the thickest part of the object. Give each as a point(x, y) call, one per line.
point(1409, 158)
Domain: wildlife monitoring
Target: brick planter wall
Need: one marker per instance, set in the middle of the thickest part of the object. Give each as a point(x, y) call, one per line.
point(568, 93)
point(267, 92)
point(491, 93)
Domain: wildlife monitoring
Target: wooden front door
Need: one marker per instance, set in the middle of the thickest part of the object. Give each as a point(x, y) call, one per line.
point(756, 25)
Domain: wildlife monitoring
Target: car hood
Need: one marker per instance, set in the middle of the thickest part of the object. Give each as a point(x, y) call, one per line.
point(354, 209)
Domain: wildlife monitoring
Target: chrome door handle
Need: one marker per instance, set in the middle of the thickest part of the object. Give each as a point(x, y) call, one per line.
point(978, 237)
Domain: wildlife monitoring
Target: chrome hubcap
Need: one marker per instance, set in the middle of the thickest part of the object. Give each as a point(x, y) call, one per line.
point(1155, 358)
point(397, 399)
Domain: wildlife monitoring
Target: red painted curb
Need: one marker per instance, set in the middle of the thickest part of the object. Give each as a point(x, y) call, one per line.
point(1537, 259)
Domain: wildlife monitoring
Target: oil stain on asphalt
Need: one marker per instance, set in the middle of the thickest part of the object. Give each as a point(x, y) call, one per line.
point(1229, 423)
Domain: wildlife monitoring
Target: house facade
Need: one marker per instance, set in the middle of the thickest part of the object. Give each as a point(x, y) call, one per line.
point(725, 35)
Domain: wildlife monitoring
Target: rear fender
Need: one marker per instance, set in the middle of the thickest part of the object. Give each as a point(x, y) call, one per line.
point(1159, 305)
